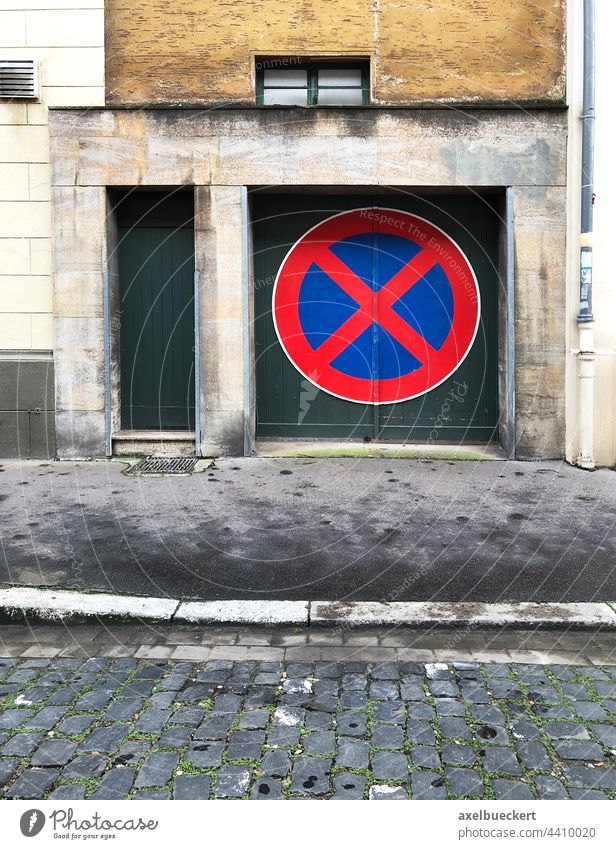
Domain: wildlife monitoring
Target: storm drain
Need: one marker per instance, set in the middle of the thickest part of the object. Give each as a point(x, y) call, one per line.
point(164, 466)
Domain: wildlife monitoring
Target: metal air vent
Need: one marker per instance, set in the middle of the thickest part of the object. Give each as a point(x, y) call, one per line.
point(18, 79)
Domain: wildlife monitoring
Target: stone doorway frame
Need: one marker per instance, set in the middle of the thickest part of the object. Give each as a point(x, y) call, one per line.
point(223, 151)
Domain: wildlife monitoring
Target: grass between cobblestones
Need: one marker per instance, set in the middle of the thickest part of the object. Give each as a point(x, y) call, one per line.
point(566, 716)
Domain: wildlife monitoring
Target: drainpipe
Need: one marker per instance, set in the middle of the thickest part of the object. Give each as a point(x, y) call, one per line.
point(585, 319)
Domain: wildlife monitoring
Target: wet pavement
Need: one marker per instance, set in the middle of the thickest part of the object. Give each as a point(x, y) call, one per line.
point(316, 529)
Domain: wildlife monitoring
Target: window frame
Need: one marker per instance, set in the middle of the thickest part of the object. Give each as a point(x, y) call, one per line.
point(312, 69)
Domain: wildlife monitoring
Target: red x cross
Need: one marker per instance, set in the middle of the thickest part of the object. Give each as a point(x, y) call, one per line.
point(374, 306)
point(435, 248)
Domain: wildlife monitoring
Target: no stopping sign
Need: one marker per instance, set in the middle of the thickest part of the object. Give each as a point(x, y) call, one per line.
point(376, 306)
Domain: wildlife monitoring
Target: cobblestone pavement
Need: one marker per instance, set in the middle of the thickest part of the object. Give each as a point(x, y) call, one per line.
point(266, 727)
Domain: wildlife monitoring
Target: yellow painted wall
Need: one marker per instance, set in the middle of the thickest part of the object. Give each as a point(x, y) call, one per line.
point(422, 51)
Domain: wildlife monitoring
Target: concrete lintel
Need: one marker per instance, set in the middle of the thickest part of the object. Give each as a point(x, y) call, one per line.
point(489, 147)
point(519, 614)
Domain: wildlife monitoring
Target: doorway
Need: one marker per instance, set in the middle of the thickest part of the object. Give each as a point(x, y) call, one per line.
point(463, 407)
point(155, 258)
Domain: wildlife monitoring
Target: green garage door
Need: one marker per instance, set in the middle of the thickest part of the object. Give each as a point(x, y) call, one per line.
point(157, 329)
point(462, 408)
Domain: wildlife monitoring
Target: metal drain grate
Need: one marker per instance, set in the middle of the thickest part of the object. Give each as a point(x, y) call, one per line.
point(164, 466)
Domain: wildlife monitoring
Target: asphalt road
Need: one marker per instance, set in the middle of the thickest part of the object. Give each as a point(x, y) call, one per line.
point(315, 529)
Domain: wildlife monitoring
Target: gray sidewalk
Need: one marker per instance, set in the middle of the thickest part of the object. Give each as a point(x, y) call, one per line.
point(310, 645)
point(337, 529)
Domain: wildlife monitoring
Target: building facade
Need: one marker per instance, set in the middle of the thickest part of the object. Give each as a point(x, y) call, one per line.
point(64, 40)
point(232, 144)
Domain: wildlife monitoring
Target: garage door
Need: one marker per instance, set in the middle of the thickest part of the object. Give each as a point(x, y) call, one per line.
point(376, 317)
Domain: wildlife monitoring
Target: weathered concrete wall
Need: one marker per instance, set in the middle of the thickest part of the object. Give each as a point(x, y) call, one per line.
point(107, 147)
point(80, 260)
point(204, 51)
point(219, 258)
point(223, 150)
point(540, 318)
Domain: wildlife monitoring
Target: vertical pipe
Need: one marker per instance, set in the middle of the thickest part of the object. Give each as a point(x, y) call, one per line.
point(107, 361)
point(586, 361)
point(510, 323)
point(585, 318)
point(197, 346)
point(585, 314)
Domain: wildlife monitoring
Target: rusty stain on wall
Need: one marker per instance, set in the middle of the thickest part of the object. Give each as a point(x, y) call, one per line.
point(421, 51)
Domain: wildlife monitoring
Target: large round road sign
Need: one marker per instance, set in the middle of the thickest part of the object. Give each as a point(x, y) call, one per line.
point(376, 306)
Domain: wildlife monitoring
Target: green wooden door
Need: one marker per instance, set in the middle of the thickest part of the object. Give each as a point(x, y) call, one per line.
point(156, 268)
point(464, 408)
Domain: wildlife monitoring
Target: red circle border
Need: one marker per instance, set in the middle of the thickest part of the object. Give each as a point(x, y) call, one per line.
point(439, 366)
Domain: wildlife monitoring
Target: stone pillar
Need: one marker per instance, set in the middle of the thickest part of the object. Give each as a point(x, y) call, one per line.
point(540, 320)
point(79, 260)
point(219, 260)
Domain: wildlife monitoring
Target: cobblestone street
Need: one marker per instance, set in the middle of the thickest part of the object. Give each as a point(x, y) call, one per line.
point(261, 725)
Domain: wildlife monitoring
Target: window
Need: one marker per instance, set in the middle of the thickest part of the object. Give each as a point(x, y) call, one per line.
point(284, 82)
point(18, 79)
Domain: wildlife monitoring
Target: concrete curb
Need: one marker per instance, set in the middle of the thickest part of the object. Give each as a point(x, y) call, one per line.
point(244, 612)
point(522, 614)
point(60, 604)
point(50, 604)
